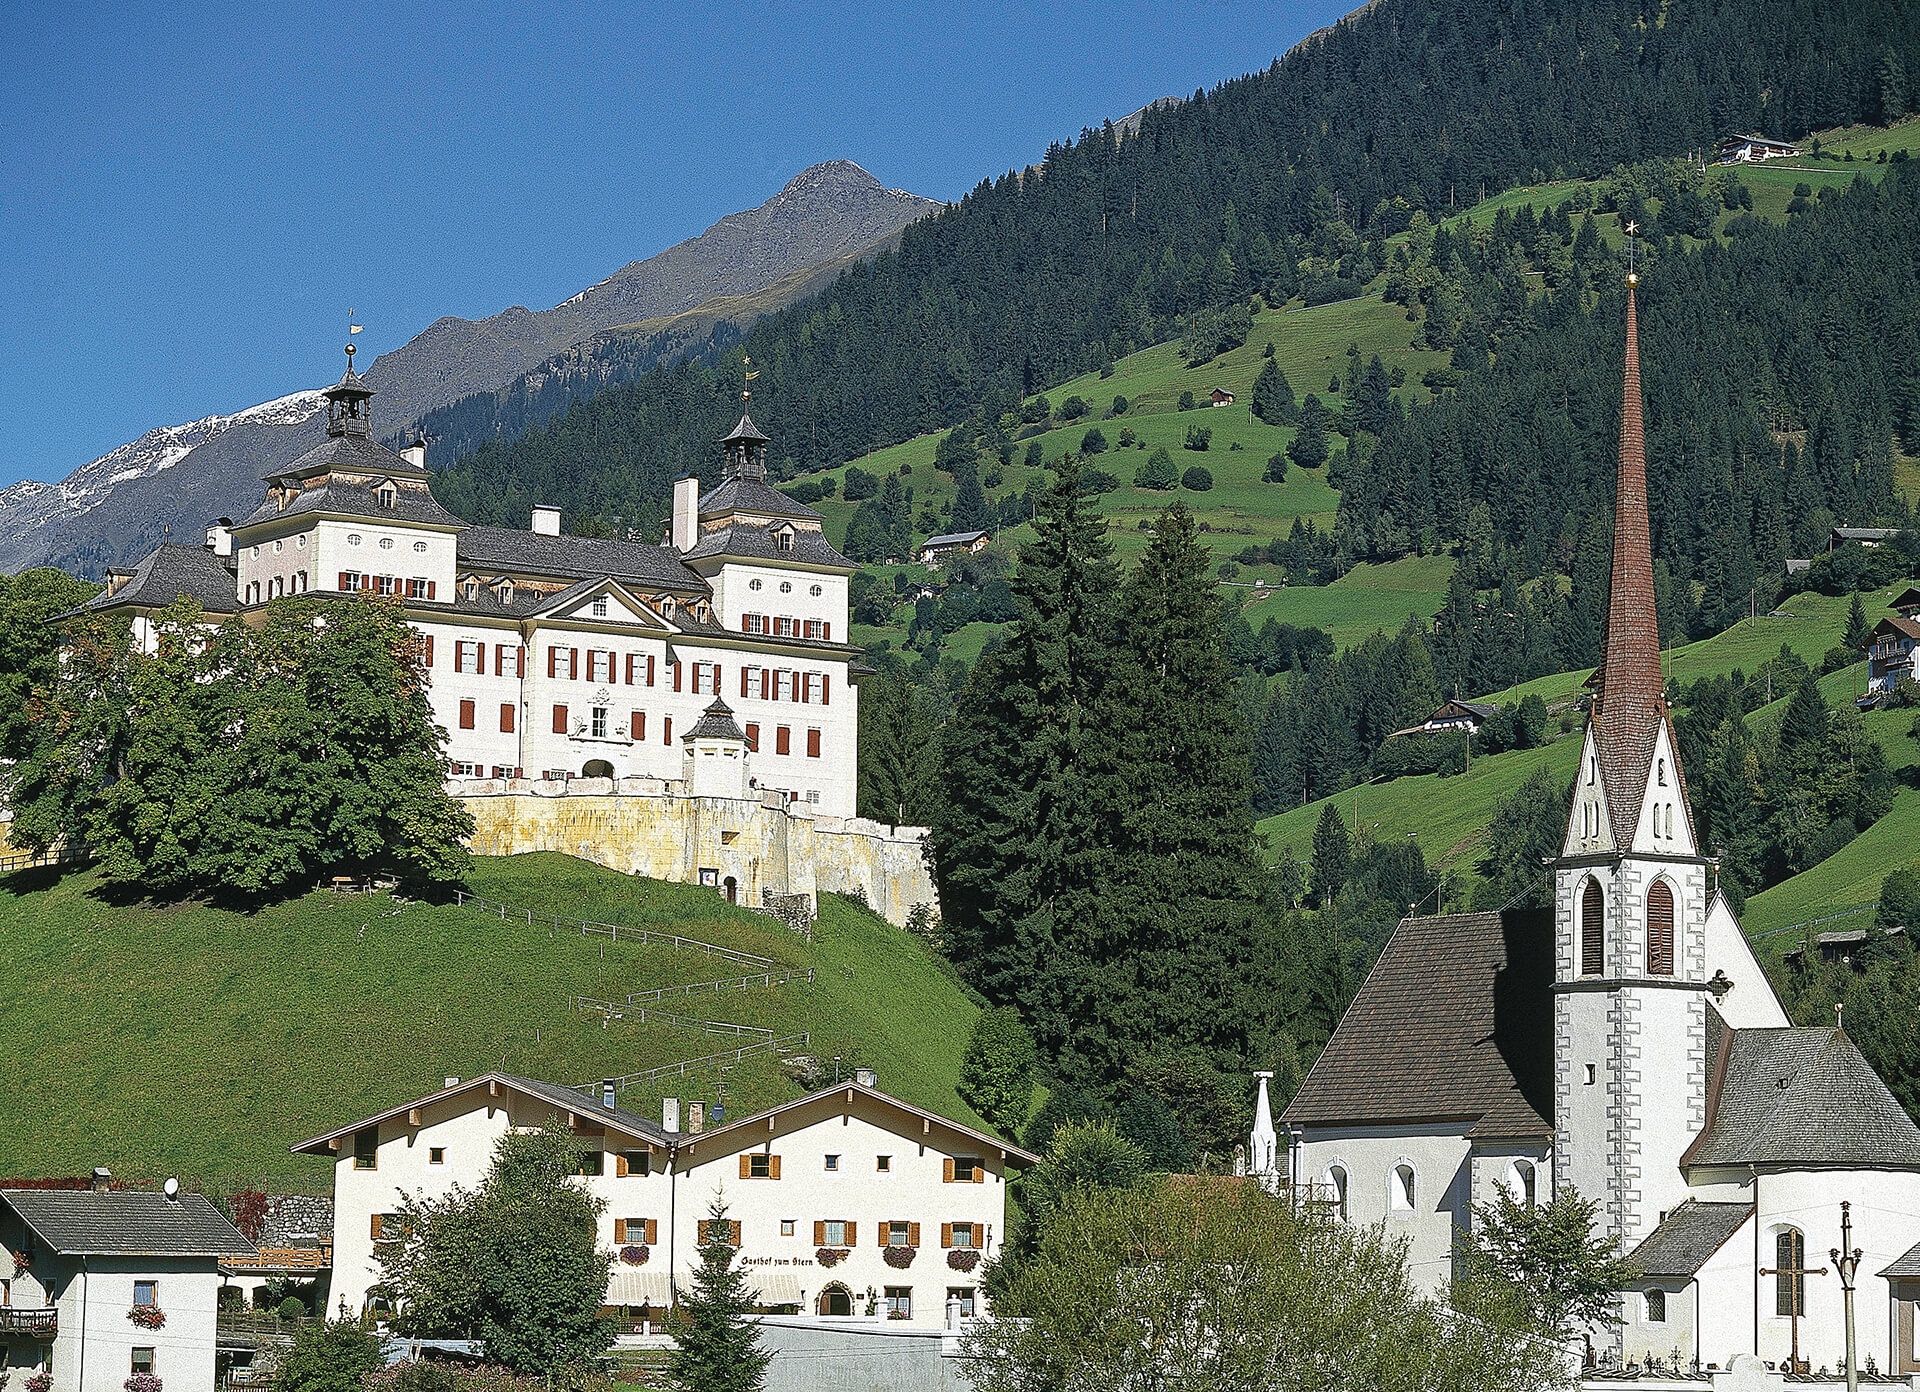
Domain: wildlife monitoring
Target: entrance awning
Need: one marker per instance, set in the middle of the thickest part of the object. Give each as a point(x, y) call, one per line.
point(629, 1287)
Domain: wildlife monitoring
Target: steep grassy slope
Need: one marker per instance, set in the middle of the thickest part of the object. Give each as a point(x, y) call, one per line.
point(1448, 816)
point(194, 1041)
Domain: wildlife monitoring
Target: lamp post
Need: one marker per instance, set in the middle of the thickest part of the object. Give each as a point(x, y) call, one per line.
point(1846, 1261)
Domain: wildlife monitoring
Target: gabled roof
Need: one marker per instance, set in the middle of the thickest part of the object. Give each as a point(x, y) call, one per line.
point(166, 574)
point(581, 589)
point(1865, 533)
point(751, 495)
point(750, 1130)
point(754, 541)
point(1688, 1238)
point(1898, 624)
point(342, 458)
point(1453, 1024)
point(952, 539)
point(567, 1099)
point(1905, 1267)
point(583, 558)
point(1907, 601)
point(1801, 1098)
point(124, 1222)
point(715, 722)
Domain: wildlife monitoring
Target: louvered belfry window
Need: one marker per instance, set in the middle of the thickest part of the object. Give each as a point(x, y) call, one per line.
point(1593, 958)
point(1660, 930)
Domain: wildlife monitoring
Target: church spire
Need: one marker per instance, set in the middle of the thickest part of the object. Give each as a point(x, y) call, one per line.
point(1631, 703)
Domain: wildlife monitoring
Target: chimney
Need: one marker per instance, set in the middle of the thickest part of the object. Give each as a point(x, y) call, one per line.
point(220, 537)
point(696, 1117)
point(606, 1093)
point(686, 512)
point(451, 1081)
point(416, 453)
point(101, 1177)
point(866, 1077)
point(546, 521)
point(670, 1115)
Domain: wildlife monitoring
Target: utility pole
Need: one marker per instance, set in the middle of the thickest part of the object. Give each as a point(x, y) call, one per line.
point(1846, 1260)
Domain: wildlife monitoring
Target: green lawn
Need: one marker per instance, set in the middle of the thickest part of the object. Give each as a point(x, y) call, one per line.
point(194, 1041)
point(1366, 599)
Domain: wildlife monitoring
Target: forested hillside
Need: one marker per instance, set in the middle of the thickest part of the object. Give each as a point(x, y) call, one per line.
point(1288, 181)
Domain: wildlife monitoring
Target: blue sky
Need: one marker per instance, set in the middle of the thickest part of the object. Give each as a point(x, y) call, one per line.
point(195, 194)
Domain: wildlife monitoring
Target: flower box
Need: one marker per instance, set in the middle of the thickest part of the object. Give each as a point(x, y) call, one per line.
point(963, 1258)
point(147, 1316)
point(900, 1257)
point(829, 1256)
point(634, 1256)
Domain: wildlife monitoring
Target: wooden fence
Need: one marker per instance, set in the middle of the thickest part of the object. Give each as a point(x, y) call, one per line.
point(719, 1060)
point(618, 932)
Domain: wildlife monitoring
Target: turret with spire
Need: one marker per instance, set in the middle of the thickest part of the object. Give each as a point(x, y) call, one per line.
point(349, 403)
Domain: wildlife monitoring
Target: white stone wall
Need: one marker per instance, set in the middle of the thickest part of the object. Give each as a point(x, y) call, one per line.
point(1443, 1188)
point(98, 1298)
point(734, 595)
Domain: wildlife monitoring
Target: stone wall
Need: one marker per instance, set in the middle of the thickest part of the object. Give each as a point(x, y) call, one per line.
point(648, 826)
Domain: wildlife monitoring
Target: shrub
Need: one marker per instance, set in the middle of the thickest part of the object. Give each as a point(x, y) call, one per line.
point(1157, 473)
point(1093, 442)
point(1277, 467)
point(1199, 478)
point(1186, 401)
point(1198, 437)
point(1072, 409)
point(860, 484)
point(1327, 291)
point(1126, 437)
point(1119, 406)
point(291, 1308)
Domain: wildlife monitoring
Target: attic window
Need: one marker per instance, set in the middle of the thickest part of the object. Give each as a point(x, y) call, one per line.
point(506, 591)
point(666, 606)
point(471, 589)
point(387, 495)
point(599, 606)
point(783, 540)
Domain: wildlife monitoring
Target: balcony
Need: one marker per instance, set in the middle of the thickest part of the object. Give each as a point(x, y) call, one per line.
point(34, 1324)
point(280, 1259)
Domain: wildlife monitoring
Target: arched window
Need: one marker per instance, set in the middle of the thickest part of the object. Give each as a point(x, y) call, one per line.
point(1520, 1179)
point(1663, 772)
point(1660, 930)
point(1790, 1272)
point(1337, 1190)
point(1656, 1306)
point(1593, 956)
point(1401, 1190)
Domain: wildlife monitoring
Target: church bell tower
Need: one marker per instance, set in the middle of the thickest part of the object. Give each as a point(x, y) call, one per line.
point(1631, 896)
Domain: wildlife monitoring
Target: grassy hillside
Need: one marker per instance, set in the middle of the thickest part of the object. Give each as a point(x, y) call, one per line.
point(190, 1040)
point(1448, 816)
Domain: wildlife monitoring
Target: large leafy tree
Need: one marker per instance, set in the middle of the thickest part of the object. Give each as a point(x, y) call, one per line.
point(996, 1069)
point(27, 660)
point(1545, 1260)
point(515, 1263)
point(331, 1357)
point(717, 1343)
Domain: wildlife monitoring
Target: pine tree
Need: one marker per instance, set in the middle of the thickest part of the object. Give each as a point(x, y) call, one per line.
point(716, 1341)
point(970, 509)
point(1273, 396)
point(1857, 631)
point(1310, 448)
point(1332, 854)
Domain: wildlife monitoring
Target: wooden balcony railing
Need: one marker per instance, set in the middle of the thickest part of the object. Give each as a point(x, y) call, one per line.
point(281, 1259)
point(35, 1324)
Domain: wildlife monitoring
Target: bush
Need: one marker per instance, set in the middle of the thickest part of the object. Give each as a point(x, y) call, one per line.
point(1327, 291)
point(1119, 406)
point(291, 1308)
point(1035, 410)
point(1126, 437)
point(1198, 437)
point(806, 491)
point(1157, 473)
point(1276, 468)
point(1186, 401)
point(1093, 442)
point(1837, 658)
point(1199, 478)
point(1072, 409)
point(860, 484)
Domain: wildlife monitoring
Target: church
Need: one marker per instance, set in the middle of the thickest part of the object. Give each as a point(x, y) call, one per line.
point(1627, 1045)
point(553, 658)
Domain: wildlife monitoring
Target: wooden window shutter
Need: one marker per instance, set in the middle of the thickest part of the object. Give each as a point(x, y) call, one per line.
point(520, 661)
point(853, 1234)
point(676, 676)
point(559, 720)
point(630, 657)
point(466, 715)
point(376, 1226)
point(736, 1231)
point(619, 1172)
point(746, 623)
point(813, 744)
point(913, 1234)
point(553, 662)
point(763, 683)
point(773, 1166)
point(653, 1231)
point(620, 1224)
point(819, 1233)
point(430, 589)
point(649, 669)
point(343, 581)
point(700, 1232)
point(886, 1231)
point(1660, 930)
point(636, 725)
point(717, 674)
point(1593, 956)
point(979, 1173)
point(746, 1165)
point(429, 650)
point(826, 630)
point(946, 1170)
point(506, 717)
point(826, 688)
point(573, 664)
point(782, 740)
point(753, 738)
point(946, 1234)
point(744, 672)
point(666, 729)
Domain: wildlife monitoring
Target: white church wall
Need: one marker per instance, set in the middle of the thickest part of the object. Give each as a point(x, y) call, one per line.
point(1751, 1004)
point(1440, 1158)
point(1726, 1299)
point(1663, 1329)
point(1664, 827)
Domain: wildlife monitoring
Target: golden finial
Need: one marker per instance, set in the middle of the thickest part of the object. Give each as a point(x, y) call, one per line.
point(745, 394)
point(1633, 277)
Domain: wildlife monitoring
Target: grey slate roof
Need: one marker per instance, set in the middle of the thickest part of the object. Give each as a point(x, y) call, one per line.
point(124, 1222)
point(564, 1098)
point(166, 574)
point(1454, 1023)
point(951, 539)
point(1804, 1098)
point(715, 722)
point(1906, 1266)
point(353, 454)
point(756, 543)
point(586, 558)
point(1691, 1234)
point(752, 495)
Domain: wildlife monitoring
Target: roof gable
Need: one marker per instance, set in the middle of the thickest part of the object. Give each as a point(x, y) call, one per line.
point(749, 1131)
point(481, 1091)
point(1453, 1024)
point(1687, 1239)
point(623, 606)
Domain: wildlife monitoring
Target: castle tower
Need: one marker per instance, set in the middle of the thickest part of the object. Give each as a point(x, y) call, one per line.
point(1630, 904)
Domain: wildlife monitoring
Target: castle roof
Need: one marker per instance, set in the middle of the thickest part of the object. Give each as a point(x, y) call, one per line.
point(1453, 1024)
point(751, 495)
point(715, 722)
point(584, 558)
point(755, 541)
point(1801, 1098)
point(168, 573)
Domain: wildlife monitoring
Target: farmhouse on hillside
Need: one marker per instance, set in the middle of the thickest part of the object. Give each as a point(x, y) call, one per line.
point(1220, 396)
point(836, 1194)
point(1627, 1045)
point(1455, 715)
point(935, 550)
point(1753, 149)
point(106, 1284)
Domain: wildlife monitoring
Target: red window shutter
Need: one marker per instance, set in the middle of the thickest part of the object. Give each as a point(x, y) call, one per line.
point(717, 674)
point(1592, 930)
point(826, 630)
point(744, 673)
point(637, 725)
point(559, 720)
point(763, 683)
point(753, 738)
point(782, 740)
point(813, 744)
point(429, 589)
point(553, 663)
point(746, 623)
point(520, 661)
point(343, 580)
point(366, 582)
point(466, 715)
point(630, 657)
point(573, 664)
point(506, 717)
point(826, 688)
point(649, 669)
point(666, 729)
point(429, 650)
point(804, 680)
point(676, 676)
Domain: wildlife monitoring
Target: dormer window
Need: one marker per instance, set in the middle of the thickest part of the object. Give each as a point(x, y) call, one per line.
point(386, 495)
point(666, 606)
point(471, 589)
point(505, 592)
point(599, 606)
point(783, 540)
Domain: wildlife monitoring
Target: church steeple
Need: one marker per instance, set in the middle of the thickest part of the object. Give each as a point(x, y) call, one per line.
point(348, 403)
point(744, 448)
point(1630, 706)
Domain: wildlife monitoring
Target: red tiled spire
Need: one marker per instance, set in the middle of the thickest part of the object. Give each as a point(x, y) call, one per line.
point(1632, 697)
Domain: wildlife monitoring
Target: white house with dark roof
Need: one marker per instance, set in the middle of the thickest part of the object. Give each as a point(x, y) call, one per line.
point(1626, 1045)
point(105, 1283)
point(832, 1194)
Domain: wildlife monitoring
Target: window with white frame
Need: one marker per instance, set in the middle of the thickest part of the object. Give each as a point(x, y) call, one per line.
point(785, 626)
point(899, 1302)
point(599, 606)
point(706, 679)
point(1337, 1190)
point(599, 665)
point(383, 584)
point(466, 656)
point(599, 722)
point(836, 1232)
point(816, 628)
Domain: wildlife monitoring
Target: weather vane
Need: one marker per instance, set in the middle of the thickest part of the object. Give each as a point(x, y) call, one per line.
point(352, 329)
point(1632, 278)
point(746, 394)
